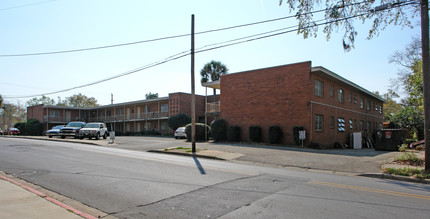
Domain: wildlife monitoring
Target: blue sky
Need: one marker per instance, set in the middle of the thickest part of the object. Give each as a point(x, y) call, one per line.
point(75, 24)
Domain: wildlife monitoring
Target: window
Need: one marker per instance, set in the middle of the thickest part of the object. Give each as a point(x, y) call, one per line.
point(355, 124)
point(368, 128)
point(147, 109)
point(340, 96)
point(332, 122)
point(355, 99)
point(376, 106)
point(108, 113)
point(351, 125)
point(361, 125)
point(331, 90)
point(380, 109)
point(319, 88)
point(368, 105)
point(164, 107)
point(319, 122)
point(54, 113)
point(350, 97)
point(340, 124)
point(120, 112)
point(361, 103)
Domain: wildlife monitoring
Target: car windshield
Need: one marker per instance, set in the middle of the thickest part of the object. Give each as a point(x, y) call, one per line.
point(74, 124)
point(92, 125)
point(58, 127)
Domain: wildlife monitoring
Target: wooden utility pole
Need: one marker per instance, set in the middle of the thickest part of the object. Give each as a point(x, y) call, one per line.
point(193, 95)
point(426, 77)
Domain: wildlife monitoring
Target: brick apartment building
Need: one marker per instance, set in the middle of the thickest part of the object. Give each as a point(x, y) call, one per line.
point(327, 105)
point(136, 116)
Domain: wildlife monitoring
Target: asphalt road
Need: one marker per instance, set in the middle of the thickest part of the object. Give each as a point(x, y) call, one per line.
point(135, 184)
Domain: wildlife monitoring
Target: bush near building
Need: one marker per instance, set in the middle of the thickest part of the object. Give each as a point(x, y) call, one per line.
point(219, 130)
point(275, 135)
point(32, 127)
point(233, 133)
point(177, 121)
point(255, 133)
point(200, 131)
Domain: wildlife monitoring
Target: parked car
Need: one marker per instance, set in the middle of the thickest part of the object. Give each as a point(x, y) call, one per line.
point(93, 129)
point(72, 129)
point(54, 131)
point(180, 133)
point(1, 132)
point(12, 131)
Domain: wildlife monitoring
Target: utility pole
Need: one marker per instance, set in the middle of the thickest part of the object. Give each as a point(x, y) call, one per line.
point(111, 98)
point(193, 95)
point(426, 77)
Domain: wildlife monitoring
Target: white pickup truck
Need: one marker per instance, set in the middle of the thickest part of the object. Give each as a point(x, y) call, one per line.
point(93, 129)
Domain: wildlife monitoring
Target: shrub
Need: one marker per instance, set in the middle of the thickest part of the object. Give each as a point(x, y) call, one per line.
point(275, 135)
point(233, 133)
point(410, 158)
point(34, 127)
point(314, 145)
point(177, 121)
point(403, 148)
point(200, 131)
point(219, 130)
point(420, 148)
point(296, 130)
point(21, 127)
point(255, 134)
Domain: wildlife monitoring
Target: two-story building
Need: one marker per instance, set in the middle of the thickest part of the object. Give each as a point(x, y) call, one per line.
point(328, 106)
point(135, 116)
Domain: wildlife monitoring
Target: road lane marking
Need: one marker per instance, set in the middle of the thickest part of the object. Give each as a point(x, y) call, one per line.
point(371, 190)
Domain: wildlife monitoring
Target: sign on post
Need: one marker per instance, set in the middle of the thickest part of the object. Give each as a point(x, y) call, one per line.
point(302, 136)
point(112, 136)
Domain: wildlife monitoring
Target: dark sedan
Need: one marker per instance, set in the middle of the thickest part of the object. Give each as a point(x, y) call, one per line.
point(54, 131)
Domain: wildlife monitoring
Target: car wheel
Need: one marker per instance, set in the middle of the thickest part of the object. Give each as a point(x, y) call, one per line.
point(50, 136)
point(63, 137)
point(176, 137)
point(105, 135)
point(98, 136)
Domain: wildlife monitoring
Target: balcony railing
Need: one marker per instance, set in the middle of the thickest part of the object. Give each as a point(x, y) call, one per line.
point(213, 108)
point(127, 117)
point(131, 116)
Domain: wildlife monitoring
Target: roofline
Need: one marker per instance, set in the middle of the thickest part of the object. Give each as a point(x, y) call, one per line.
point(344, 80)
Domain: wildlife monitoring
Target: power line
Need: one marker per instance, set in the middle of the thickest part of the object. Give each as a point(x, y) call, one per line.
point(21, 6)
point(186, 53)
point(174, 36)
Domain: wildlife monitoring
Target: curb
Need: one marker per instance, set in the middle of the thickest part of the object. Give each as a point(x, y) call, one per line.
point(58, 140)
point(54, 201)
point(186, 154)
point(395, 177)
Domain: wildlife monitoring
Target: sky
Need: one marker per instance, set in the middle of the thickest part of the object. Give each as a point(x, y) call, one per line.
point(36, 26)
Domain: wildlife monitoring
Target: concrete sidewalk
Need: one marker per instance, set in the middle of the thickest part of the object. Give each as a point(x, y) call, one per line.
point(19, 201)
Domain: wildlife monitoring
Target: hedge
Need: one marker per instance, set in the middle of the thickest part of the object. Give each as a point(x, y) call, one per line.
point(200, 131)
point(255, 133)
point(233, 133)
point(219, 130)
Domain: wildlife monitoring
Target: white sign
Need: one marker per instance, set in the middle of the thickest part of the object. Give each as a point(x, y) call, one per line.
point(302, 135)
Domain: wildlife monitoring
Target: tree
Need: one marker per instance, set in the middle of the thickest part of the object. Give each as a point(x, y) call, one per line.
point(339, 14)
point(150, 96)
point(178, 120)
point(80, 100)
point(1, 101)
point(12, 113)
point(212, 71)
point(41, 100)
point(391, 107)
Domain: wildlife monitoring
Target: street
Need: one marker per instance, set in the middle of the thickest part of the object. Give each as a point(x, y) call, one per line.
point(137, 184)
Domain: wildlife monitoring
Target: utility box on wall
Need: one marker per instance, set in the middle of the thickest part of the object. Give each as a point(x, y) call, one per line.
point(388, 139)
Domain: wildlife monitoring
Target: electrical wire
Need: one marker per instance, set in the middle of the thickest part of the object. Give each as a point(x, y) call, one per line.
point(21, 6)
point(174, 36)
point(186, 53)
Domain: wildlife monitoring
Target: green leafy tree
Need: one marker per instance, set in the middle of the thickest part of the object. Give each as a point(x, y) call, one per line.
point(391, 107)
point(41, 100)
point(11, 114)
point(340, 15)
point(150, 96)
point(212, 71)
point(80, 100)
point(1, 101)
point(410, 79)
point(178, 120)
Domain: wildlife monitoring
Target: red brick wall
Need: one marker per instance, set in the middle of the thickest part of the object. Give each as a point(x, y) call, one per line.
point(329, 106)
point(266, 97)
point(181, 103)
point(35, 112)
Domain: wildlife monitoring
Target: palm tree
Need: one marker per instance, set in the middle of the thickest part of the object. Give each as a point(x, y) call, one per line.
point(213, 71)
